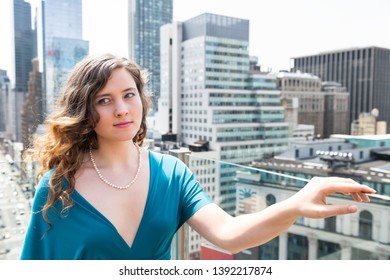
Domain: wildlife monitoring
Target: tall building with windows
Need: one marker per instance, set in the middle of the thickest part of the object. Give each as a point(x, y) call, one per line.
point(4, 97)
point(18, 47)
point(145, 19)
point(25, 51)
point(18, 50)
point(322, 104)
point(210, 94)
point(62, 45)
point(25, 44)
point(363, 71)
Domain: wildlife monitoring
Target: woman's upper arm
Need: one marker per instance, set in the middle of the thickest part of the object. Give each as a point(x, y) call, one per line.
point(209, 222)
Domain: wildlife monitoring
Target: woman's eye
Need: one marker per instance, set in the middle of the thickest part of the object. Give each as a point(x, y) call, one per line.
point(129, 94)
point(103, 101)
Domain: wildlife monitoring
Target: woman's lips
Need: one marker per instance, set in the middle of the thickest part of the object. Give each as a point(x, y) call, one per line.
point(122, 124)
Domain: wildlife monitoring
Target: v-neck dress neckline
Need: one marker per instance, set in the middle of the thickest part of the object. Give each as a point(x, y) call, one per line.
point(78, 196)
point(82, 232)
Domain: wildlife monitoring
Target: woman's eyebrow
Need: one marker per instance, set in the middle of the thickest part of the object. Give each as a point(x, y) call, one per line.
point(130, 88)
point(102, 95)
point(109, 93)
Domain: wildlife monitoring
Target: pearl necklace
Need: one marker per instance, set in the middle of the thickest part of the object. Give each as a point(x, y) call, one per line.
point(111, 184)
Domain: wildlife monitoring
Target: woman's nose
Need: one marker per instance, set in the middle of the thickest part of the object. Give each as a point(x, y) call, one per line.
point(121, 109)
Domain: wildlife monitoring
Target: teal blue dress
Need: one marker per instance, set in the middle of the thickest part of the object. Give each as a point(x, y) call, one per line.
point(84, 233)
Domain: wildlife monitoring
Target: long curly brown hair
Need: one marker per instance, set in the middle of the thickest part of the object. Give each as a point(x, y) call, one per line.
point(70, 128)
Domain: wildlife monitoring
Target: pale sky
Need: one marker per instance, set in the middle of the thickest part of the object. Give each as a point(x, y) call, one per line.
point(279, 29)
point(282, 29)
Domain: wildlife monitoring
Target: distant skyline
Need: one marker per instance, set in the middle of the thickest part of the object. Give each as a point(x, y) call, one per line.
point(279, 29)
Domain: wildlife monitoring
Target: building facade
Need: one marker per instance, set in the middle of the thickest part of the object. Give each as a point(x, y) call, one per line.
point(5, 92)
point(310, 101)
point(209, 94)
point(363, 71)
point(32, 114)
point(62, 44)
point(145, 20)
point(214, 97)
point(9, 105)
point(363, 235)
point(19, 50)
point(368, 124)
point(25, 44)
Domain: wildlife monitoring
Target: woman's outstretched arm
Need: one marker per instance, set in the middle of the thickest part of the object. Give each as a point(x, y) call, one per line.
point(249, 230)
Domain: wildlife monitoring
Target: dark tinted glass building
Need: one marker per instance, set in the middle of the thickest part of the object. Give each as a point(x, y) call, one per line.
point(25, 44)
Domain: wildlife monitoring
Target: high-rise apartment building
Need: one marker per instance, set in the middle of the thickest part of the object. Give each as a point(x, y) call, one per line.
point(209, 95)
point(62, 44)
point(145, 19)
point(363, 71)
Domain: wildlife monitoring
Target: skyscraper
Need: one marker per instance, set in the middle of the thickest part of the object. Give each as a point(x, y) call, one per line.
point(25, 44)
point(62, 44)
point(212, 100)
point(209, 94)
point(363, 71)
point(19, 48)
point(145, 19)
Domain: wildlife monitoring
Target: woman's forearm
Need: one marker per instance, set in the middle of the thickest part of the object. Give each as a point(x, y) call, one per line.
point(250, 230)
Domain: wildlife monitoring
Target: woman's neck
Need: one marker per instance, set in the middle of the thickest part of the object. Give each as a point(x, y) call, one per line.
point(115, 154)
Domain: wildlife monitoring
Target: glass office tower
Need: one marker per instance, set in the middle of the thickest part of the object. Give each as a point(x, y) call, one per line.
point(145, 19)
point(62, 44)
point(25, 44)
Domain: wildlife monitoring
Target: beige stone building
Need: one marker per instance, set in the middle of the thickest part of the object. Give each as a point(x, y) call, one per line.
point(368, 124)
point(322, 104)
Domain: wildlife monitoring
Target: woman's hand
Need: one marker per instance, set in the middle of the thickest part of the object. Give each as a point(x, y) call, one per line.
point(310, 201)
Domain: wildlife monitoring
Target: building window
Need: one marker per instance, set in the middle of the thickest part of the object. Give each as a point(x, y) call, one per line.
point(328, 250)
point(330, 224)
point(365, 225)
point(298, 247)
point(270, 199)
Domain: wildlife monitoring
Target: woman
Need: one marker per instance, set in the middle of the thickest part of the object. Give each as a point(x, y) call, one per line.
point(102, 196)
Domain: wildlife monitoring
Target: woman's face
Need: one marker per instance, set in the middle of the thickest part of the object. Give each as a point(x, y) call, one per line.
point(119, 107)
